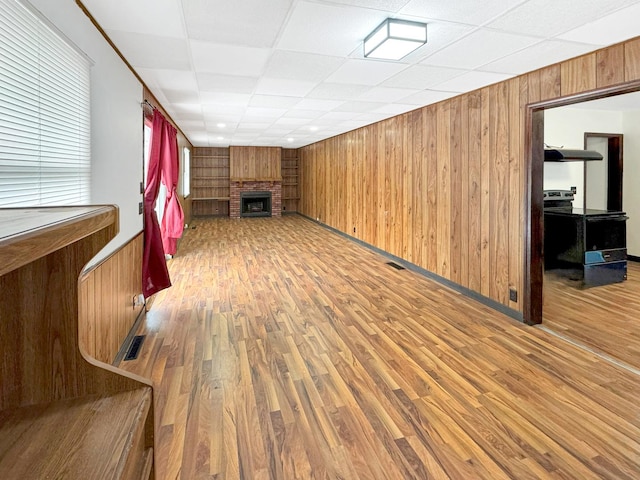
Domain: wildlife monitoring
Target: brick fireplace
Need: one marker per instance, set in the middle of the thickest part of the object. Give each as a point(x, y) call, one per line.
point(237, 187)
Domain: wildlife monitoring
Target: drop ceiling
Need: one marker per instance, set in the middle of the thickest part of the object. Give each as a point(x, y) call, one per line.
point(291, 72)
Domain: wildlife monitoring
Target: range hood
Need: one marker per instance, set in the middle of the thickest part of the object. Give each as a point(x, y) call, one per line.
point(566, 155)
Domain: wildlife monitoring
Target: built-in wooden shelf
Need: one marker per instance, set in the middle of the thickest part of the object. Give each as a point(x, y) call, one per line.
point(210, 181)
point(62, 414)
point(290, 183)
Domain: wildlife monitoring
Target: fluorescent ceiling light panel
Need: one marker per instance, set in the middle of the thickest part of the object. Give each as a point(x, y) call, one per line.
point(394, 39)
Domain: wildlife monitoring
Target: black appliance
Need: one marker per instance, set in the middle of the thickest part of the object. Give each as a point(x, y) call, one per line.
point(594, 241)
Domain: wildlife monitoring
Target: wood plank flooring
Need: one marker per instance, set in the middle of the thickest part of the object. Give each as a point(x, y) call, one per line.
point(285, 351)
point(605, 318)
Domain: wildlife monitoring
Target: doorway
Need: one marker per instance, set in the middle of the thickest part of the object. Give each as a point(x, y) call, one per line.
point(612, 301)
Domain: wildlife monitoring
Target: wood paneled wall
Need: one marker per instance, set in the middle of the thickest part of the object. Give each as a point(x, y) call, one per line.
point(255, 163)
point(106, 301)
point(444, 186)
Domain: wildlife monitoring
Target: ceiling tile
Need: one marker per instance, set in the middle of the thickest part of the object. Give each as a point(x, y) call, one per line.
point(309, 114)
point(358, 106)
point(472, 81)
point(265, 112)
point(549, 18)
point(365, 72)
point(152, 51)
point(182, 96)
point(170, 79)
point(327, 29)
point(385, 94)
point(215, 82)
point(480, 47)
point(439, 35)
point(273, 101)
point(422, 76)
point(384, 5)
point(301, 66)
point(537, 56)
point(230, 99)
point(228, 59)
point(462, 11)
point(336, 91)
point(142, 16)
point(607, 30)
point(240, 22)
point(318, 104)
point(284, 87)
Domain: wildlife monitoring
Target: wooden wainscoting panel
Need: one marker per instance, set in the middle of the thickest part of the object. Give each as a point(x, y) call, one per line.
point(610, 66)
point(578, 74)
point(255, 163)
point(451, 196)
point(107, 309)
point(550, 82)
point(632, 60)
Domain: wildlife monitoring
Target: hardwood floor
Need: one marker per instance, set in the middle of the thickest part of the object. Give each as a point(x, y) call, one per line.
point(285, 351)
point(605, 318)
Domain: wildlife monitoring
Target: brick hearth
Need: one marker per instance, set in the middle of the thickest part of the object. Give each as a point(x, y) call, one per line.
point(235, 188)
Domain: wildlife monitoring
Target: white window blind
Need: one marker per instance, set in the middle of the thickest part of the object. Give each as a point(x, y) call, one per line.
point(44, 113)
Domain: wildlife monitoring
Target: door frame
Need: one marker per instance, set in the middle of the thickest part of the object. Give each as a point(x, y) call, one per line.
point(534, 163)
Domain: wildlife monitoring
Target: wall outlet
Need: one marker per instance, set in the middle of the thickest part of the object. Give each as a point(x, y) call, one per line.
point(513, 295)
point(138, 300)
point(140, 208)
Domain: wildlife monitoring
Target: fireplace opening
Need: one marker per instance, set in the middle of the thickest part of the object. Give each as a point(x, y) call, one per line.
point(255, 204)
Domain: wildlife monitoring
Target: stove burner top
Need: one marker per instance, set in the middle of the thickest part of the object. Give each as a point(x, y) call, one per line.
point(557, 199)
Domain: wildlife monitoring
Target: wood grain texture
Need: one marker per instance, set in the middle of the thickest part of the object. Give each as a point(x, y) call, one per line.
point(604, 318)
point(610, 66)
point(88, 437)
point(42, 360)
point(290, 169)
point(286, 351)
point(445, 185)
point(255, 163)
point(632, 60)
point(107, 292)
point(210, 181)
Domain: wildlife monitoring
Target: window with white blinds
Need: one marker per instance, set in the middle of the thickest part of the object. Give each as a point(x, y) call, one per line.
point(44, 113)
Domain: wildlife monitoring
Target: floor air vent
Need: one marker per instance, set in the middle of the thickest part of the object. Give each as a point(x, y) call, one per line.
point(395, 265)
point(134, 347)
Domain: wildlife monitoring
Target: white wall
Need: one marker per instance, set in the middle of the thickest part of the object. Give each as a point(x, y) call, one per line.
point(631, 180)
point(566, 126)
point(116, 119)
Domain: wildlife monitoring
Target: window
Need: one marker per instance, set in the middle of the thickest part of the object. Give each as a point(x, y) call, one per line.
point(44, 113)
point(162, 192)
point(186, 172)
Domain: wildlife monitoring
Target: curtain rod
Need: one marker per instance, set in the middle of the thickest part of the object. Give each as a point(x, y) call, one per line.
point(146, 103)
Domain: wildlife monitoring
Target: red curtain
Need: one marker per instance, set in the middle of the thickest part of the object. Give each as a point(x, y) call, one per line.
point(155, 276)
point(173, 218)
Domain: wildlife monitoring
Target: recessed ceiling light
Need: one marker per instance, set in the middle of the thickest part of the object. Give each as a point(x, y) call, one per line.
point(313, 129)
point(289, 139)
point(220, 138)
point(394, 39)
point(221, 125)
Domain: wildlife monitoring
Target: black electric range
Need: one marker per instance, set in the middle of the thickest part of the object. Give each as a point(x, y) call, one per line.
point(592, 240)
